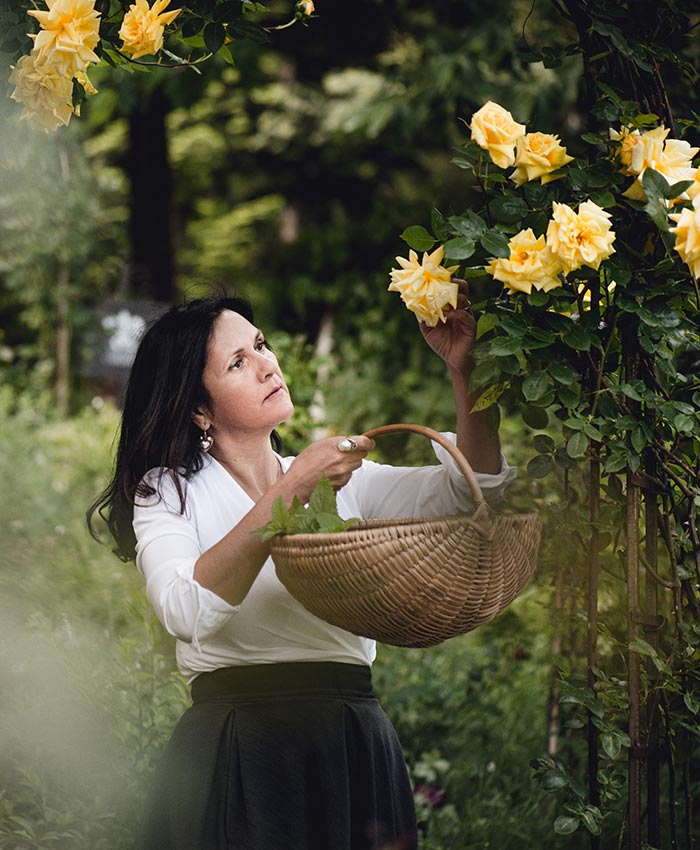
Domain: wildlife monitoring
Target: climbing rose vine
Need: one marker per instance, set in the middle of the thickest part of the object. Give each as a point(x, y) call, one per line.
point(583, 259)
point(562, 253)
point(50, 80)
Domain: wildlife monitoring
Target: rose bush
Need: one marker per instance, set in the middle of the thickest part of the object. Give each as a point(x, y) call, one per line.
point(584, 273)
point(51, 80)
point(582, 257)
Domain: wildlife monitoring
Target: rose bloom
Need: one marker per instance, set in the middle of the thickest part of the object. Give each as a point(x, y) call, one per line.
point(638, 150)
point(694, 190)
point(538, 155)
point(427, 287)
point(647, 151)
point(143, 25)
point(676, 163)
point(494, 129)
point(670, 157)
point(582, 238)
point(627, 138)
point(530, 264)
point(69, 32)
point(45, 91)
point(305, 7)
point(687, 232)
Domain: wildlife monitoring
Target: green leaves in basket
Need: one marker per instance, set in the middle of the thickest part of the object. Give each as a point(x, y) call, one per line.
point(319, 517)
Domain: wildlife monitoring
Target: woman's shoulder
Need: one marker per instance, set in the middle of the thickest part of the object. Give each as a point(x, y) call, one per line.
point(161, 483)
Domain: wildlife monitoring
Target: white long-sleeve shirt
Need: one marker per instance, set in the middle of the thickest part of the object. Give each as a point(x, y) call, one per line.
point(269, 625)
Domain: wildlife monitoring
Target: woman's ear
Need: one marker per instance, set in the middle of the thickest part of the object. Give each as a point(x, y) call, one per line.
point(202, 418)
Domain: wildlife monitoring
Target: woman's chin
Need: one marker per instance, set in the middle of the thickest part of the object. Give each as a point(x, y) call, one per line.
point(289, 415)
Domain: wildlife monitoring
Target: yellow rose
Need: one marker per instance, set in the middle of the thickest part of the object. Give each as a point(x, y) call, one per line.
point(426, 288)
point(694, 190)
point(46, 92)
point(670, 157)
point(673, 159)
point(647, 150)
point(628, 139)
point(305, 7)
point(687, 232)
point(529, 264)
point(676, 163)
point(582, 238)
point(494, 129)
point(538, 155)
point(69, 32)
point(143, 25)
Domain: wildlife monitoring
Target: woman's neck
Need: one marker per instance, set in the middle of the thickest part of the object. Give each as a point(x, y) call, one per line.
point(250, 461)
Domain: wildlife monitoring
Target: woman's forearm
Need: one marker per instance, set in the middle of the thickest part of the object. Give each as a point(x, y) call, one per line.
point(475, 439)
point(230, 567)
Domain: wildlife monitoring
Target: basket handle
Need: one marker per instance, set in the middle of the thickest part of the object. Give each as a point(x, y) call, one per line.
point(461, 461)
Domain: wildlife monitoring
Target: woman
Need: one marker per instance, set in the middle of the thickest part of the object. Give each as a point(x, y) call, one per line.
point(285, 746)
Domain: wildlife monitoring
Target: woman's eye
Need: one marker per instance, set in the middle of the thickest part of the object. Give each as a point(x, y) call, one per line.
point(261, 345)
point(236, 364)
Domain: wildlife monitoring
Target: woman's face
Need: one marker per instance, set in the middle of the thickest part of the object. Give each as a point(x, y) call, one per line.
point(247, 392)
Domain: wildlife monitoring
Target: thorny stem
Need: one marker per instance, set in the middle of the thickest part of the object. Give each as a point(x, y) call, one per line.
point(601, 370)
point(671, 772)
point(181, 63)
point(697, 290)
point(667, 469)
point(665, 526)
point(687, 791)
point(669, 585)
point(482, 180)
point(692, 526)
point(291, 23)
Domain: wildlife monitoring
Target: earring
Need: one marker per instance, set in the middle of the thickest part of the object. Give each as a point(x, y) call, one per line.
point(206, 441)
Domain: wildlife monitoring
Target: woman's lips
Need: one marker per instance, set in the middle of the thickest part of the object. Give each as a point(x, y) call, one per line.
point(274, 393)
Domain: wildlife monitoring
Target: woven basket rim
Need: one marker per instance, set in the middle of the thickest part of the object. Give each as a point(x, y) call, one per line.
point(364, 525)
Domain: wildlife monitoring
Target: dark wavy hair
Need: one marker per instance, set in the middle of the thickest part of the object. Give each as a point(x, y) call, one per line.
point(164, 389)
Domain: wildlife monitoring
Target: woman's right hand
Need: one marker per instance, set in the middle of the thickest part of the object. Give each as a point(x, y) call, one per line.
point(324, 458)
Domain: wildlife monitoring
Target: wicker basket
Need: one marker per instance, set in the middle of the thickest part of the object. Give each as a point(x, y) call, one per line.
point(418, 581)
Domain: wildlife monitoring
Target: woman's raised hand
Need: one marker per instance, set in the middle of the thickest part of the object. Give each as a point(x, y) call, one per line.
point(336, 458)
point(453, 339)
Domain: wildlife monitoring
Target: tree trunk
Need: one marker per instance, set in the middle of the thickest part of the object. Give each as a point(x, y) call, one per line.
point(150, 230)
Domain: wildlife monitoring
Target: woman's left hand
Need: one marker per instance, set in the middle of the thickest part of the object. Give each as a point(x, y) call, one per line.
point(453, 339)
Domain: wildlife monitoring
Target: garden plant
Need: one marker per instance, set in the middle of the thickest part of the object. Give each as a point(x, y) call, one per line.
point(585, 274)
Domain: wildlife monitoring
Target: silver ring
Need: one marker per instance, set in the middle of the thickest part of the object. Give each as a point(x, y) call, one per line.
point(347, 445)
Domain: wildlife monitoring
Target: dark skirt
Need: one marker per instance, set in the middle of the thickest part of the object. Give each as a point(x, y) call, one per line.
point(296, 756)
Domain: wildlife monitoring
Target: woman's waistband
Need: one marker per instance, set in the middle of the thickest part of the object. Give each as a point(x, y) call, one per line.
point(300, 679)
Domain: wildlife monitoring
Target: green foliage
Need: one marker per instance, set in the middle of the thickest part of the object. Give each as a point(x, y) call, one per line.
point(90, 688)
point(320, 516)
point(471, 713)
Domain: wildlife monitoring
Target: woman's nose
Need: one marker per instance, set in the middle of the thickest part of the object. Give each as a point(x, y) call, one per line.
point(265, 367)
